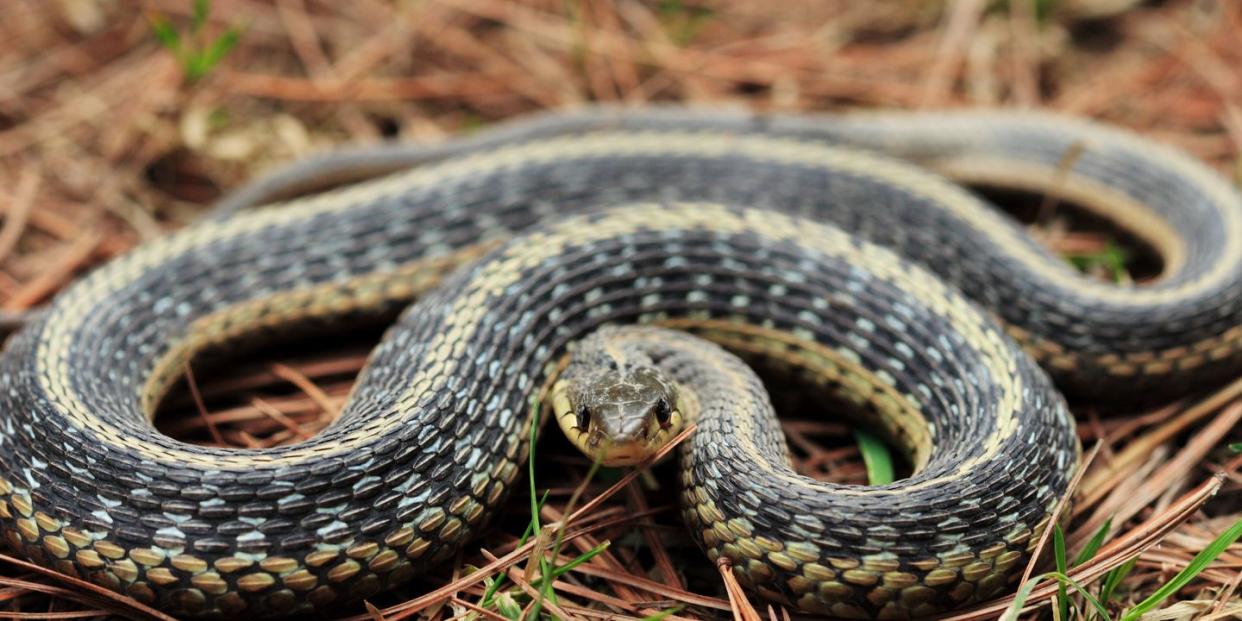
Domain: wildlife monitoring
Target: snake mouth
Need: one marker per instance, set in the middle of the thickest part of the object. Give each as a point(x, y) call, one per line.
point(621, 454)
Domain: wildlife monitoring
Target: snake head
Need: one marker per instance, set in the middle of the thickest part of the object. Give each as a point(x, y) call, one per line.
point(614, 408)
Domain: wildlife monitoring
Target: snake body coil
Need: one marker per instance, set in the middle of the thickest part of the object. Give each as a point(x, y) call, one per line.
point(712, 223)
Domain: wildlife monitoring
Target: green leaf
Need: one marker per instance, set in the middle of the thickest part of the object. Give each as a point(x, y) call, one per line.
point(663, 613)
point(1088, 551)
point(683, 23)
point(218, 48)
point(584, 557)
point(1112, 258)
point(1058, 553)
point(1082, 590)
point(549, 569)
point(670, 7)
point(534, 527)
point(202, 9)
point(1044, 9)
point(546, 567)
point(1183, 577)
point(495, 582)
point(1114, 577)
point(561, 570)
point(1019, 599)
point(166, 34)
point(530, 467)
point(1236, 447)
point(1024, 593)
point(508, 607)
point(876, 456)
point(196, 60)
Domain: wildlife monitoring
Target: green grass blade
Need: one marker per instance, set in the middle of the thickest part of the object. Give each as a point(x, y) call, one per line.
point(659, 616)
point(202, 9)
point(584, 557)
point(218, 49)
point(1044, 10)
point(545, 591)
point(534, 526)
point(166, 34)
point(546, 567)
point(494, 583)
point(1058, 553)
point(1082, 590)
point(1115, 259)
point(1088, 551)
point(1183, 577)
point(1019, 599)
point(1114, 577)
point(876, 456)
point(196, 59)
point(530, 468)
point(508, 607)
point(1112, 259)
point(561, 570)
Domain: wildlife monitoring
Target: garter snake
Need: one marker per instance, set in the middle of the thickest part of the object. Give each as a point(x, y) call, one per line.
point(781, 237)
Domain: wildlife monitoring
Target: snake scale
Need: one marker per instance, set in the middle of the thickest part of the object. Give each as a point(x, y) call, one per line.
point(796, 239)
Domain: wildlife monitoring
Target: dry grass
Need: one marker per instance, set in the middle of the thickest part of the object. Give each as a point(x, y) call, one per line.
point(104, 144)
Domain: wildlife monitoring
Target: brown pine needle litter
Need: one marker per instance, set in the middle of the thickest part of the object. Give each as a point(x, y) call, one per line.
point(107, 139)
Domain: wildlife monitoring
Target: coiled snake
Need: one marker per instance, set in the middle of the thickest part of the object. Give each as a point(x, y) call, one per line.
point(776, 237)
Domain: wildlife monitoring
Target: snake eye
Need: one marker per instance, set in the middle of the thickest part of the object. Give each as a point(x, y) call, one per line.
point(663, 413)
point(583, 421)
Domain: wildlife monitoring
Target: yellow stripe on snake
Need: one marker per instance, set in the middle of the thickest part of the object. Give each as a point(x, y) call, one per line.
point(798, 239)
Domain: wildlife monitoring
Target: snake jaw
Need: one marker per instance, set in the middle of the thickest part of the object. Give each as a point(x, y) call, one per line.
point(621, 454)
